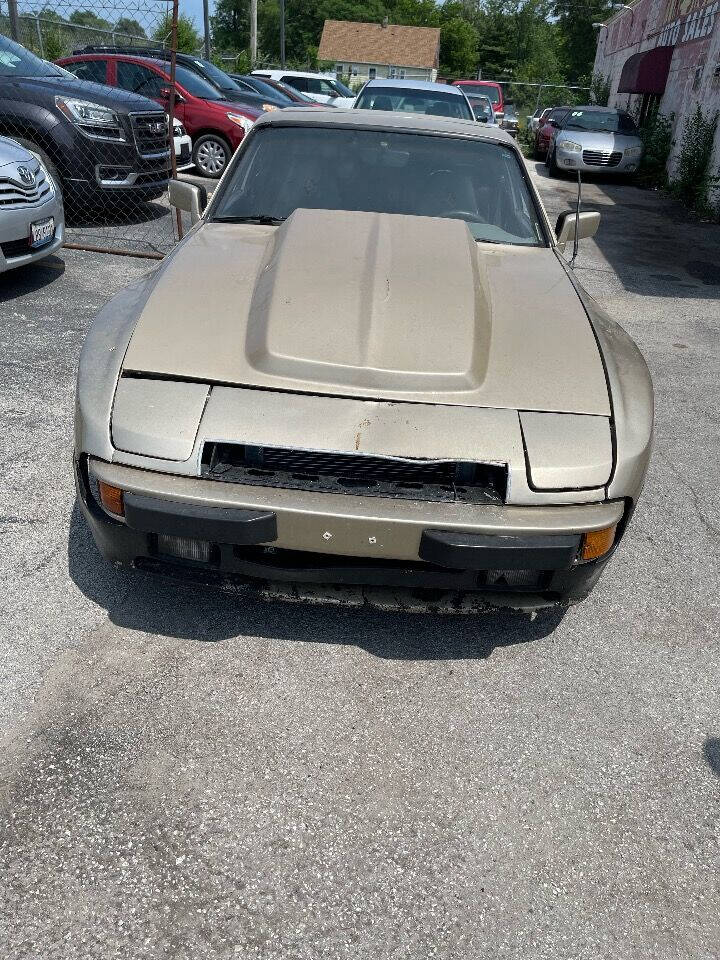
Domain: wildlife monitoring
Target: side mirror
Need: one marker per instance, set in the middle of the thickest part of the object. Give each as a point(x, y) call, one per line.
point(188, 197)
point(482, 118)
point(588, 223)
point(166, 93)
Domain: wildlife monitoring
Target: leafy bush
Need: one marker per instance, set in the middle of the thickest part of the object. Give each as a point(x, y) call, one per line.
point(599, 89)
point(657, 139)
point(694, 180)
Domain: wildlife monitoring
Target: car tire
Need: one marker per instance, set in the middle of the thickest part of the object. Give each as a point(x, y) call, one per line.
point(553, 169)
point(537, 152)
point(38, 152)
point(211, 155)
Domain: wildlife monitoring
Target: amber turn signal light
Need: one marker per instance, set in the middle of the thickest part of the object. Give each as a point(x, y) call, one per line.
point(596, 543)
point(112, 499)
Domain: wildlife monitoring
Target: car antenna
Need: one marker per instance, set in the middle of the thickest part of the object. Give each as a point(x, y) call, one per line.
point(577, 221)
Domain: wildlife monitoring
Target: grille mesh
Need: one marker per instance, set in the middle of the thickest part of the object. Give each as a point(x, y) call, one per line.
point(358, 474)
point(597, 158)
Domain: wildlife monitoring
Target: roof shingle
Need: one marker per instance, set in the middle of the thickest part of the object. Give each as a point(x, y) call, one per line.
point(373, 43)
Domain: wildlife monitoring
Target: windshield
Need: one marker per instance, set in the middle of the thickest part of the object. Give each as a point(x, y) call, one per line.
point(480, 88)
point(609, 121)
point(437, 104)
point(297, 96)
point(334, 168)
point(16, 61)
point(216, 75)
point(341, 88)
point(481, 106)
point(195, 85)
point(268, 90)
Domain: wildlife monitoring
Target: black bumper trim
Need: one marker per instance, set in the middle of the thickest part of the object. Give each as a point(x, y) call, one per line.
point(472, 551)
point(219, 524)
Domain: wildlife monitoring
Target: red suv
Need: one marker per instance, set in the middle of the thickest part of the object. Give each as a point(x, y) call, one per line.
point(217, 126)
point(485, 88)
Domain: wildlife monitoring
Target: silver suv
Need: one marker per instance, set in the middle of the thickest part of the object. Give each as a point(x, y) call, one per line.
point(32, 224)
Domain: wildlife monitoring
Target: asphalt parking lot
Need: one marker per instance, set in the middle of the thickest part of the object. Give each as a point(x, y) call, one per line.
point(193, 774)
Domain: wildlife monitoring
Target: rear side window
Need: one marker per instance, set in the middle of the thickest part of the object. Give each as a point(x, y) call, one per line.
point(139, 79)
point(93, 70)
point(300, 83)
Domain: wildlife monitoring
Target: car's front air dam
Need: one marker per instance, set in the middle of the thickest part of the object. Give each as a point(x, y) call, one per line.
point(338, 538)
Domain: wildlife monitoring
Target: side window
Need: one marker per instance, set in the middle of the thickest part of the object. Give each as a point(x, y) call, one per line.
point(299, 83)
point(94, 70)
point(138, 79)
point(326, 88)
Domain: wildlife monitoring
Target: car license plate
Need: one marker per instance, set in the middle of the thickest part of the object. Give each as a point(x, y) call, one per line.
point(42, 232)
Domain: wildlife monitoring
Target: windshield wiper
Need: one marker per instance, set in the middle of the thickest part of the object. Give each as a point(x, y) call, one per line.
point(263, 219)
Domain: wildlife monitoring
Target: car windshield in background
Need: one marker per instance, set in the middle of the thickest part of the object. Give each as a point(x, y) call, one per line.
point(478, 90)
point(481, 107)
point(195, 85)
point(296, 95)
point(600, 120)
point(342, 90)
point(286, 168)
point(437, 104)
point(16, 61)
point(217, 76)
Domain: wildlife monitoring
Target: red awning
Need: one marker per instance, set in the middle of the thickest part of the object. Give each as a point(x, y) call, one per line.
point(646, 72)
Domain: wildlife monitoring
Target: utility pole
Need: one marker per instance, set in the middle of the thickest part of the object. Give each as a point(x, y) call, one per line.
point(206, 23)
point(253, 33)
point(282, 34)
point(14, 22)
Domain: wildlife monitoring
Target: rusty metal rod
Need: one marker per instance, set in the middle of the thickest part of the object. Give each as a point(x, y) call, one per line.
point(116, 251)
point(171, 112)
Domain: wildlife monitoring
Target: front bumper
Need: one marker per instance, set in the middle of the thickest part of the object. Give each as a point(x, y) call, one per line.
point(518, 556)
point(15, 250)
point(574, 160)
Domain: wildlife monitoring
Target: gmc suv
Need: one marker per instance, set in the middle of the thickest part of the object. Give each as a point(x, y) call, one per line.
point(96, 142)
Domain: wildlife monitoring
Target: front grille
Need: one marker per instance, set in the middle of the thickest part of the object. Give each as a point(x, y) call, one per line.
point(15, 194)
point(355, 473)
point(596, 158)
point(151, 133)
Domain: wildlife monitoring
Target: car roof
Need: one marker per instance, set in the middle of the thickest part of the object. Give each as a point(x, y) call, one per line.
point(384, 120)
point(291, 73)
point(414, 85)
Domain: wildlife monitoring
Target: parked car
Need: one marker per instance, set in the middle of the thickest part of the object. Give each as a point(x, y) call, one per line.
point(285, 96)
point(595, 139)
point(510, 119)
point(370, 396)
point(183, 146)
point(97, 144)
point(535, 119)
point(217, 125)
point(32, 222)
point(482, 109)
point(488, 88)
point(324, 89)
point(415, 96)
point(545, 131)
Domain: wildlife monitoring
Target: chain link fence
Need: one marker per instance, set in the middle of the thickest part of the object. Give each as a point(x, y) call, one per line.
point(100, 128)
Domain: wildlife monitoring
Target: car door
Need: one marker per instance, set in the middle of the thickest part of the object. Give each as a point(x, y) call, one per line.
point(146, 81)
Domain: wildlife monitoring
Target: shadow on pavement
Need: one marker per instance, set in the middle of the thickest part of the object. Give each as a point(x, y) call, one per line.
point(711, 752)
point(654, 245)
point(30, 278)
point(138, 600)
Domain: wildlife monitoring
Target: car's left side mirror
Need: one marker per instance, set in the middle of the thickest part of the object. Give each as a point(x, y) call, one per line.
point(188, 197)
point(588, 223)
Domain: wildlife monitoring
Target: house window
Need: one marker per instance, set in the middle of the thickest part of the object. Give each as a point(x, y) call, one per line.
point(372, 73)
point(339, 68)
point(396, 73)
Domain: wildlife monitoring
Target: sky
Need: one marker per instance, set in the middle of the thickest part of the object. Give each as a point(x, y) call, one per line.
point(194, 9)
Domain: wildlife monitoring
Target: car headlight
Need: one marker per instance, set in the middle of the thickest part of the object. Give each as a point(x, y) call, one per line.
point(633, 151)
point(269, 106)
point(570, 146)
point(93, 118)
point(244, 122)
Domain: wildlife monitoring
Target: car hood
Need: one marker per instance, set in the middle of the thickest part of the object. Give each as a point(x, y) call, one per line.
point(600, 140)
point(113, 97)
point(372, 305)
point(12, 152)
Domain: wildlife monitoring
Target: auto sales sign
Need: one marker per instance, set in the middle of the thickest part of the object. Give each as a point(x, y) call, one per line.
point(686, 20)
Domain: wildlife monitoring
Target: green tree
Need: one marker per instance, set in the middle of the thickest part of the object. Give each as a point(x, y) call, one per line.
point(575, 20)
point(458, 48)
point(130, 27)
point(86, 18)
point(188, 39)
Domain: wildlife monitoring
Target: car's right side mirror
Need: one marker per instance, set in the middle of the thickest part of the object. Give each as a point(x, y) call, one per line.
point(188, 197)
point(588, 222)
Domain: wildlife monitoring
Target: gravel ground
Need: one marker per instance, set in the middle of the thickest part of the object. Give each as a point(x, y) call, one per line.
point(194, 774)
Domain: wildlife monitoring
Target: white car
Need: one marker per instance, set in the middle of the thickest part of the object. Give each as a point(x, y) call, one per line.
point(183, 146)
point(323, 87)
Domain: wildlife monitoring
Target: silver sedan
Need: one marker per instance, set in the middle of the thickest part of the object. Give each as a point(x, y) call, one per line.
point(32, 224)
point(595, 140)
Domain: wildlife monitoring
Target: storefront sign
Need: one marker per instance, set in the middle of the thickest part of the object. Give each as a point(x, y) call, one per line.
point(690, 25)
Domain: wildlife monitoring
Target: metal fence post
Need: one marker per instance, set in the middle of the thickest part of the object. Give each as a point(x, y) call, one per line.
point(38, 29)
point(14, 22)
point(171, 105)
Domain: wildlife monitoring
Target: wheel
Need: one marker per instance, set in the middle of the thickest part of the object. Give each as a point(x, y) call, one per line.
point(537, 152)
point(211, 154)
point(38, 152)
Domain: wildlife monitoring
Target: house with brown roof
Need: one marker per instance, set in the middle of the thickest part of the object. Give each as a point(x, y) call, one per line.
point(367, 50)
